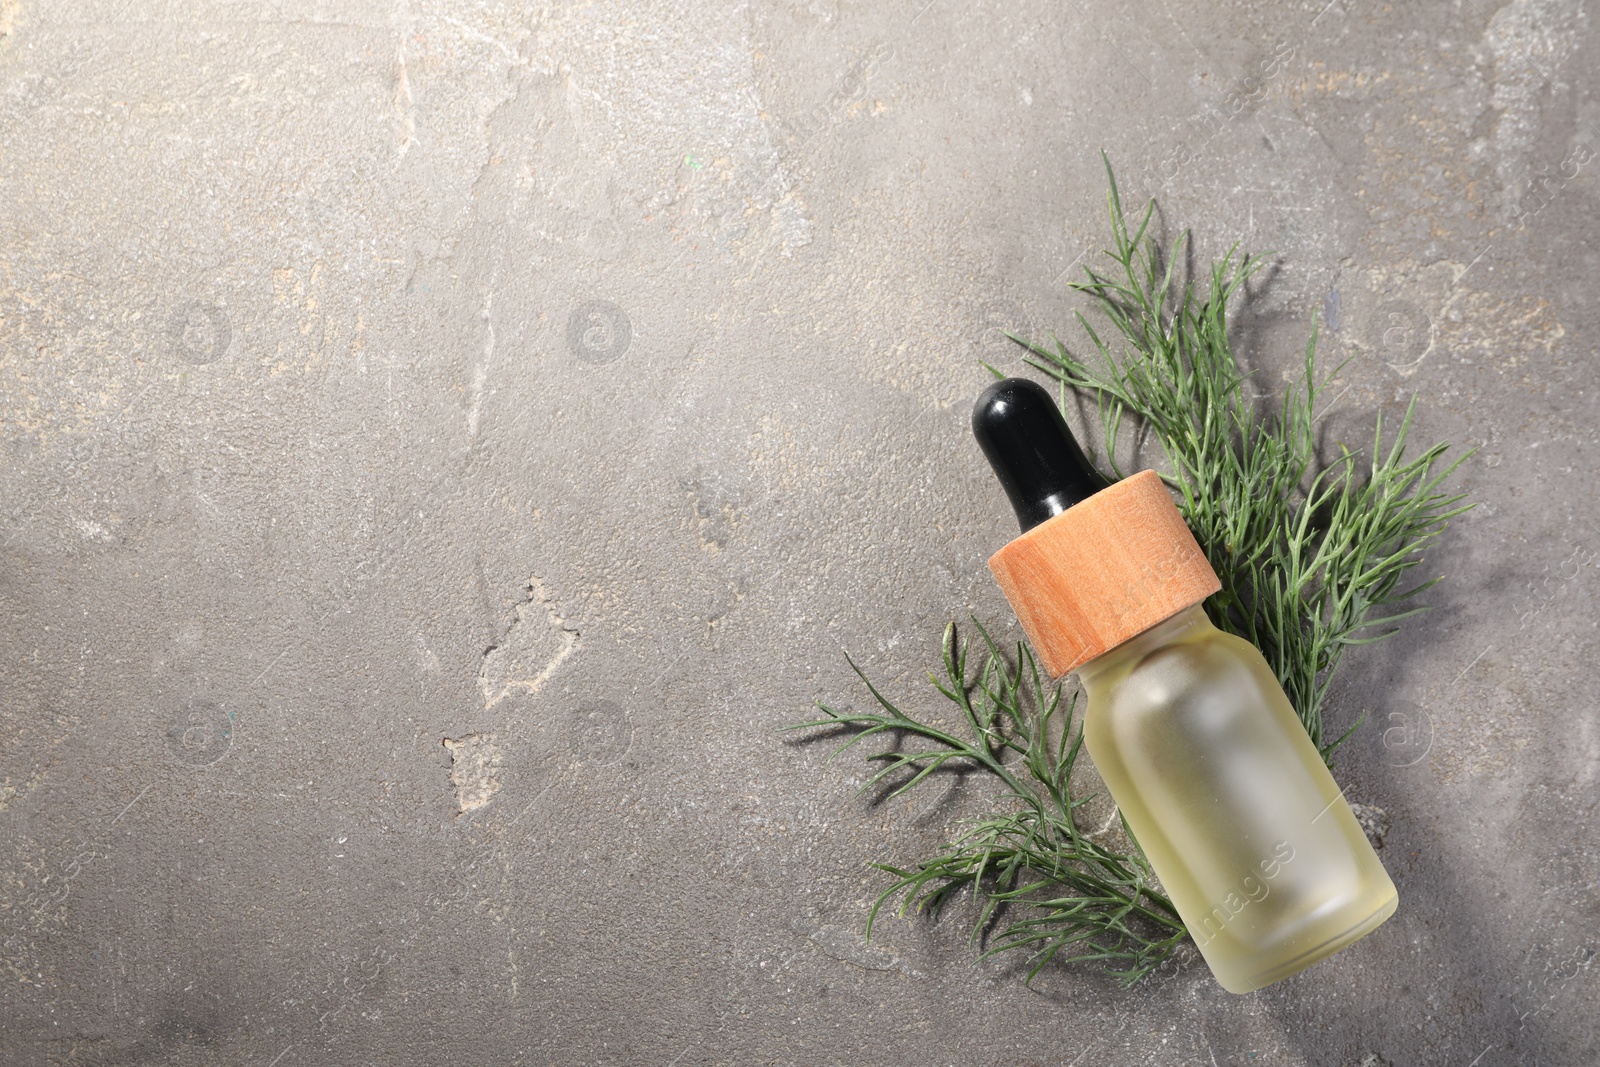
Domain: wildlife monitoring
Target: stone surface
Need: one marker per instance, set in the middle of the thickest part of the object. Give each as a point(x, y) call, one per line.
point(1374, 822)
point(324, 324)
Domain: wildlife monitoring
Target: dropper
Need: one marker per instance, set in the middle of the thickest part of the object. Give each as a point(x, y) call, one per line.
point(1032, 451)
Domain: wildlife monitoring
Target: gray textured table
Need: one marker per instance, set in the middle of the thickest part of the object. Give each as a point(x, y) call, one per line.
point(445, 441)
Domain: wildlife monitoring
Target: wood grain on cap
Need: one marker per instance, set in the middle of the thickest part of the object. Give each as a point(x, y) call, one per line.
point(1103, 571)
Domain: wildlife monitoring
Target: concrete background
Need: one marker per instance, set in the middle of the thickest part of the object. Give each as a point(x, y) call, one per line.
point(577, 383)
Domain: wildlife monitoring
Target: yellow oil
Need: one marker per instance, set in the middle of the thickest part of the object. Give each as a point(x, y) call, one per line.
point(1230, 801)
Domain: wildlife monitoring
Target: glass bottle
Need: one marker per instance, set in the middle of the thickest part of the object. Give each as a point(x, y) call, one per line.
point(1231, 801)
point(1198, 745)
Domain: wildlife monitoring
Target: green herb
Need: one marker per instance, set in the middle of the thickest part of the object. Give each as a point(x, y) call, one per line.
point(1077, 894)
point(1313, 558)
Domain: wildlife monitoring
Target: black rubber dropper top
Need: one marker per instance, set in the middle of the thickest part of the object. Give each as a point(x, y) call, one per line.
point(1032, 451)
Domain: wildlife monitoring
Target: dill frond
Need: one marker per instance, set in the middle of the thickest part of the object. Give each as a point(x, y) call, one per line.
point(1044, 885)
point(1313, 558)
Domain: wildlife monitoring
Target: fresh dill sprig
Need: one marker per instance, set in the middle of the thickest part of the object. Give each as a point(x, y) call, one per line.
point(1313, 558)
point(1071, 894)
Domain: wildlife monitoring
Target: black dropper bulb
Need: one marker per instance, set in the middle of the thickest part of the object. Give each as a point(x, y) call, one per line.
point(1032, 451)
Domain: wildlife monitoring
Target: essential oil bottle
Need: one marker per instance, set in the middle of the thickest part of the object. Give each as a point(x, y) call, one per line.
point(1197, 743)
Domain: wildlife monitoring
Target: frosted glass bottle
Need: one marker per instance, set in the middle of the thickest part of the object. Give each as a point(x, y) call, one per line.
point(1231, 802)
point(1191, 731)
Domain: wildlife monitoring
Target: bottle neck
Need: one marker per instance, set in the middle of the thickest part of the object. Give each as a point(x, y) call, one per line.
point(1187, 623)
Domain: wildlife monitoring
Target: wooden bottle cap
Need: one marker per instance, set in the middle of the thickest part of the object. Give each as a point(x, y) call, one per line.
point(1102, 572)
